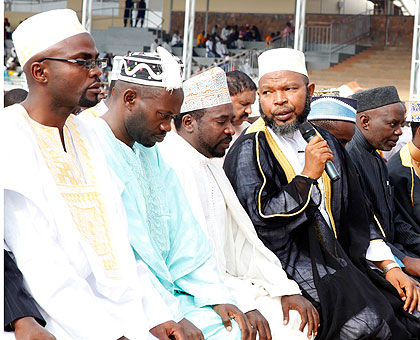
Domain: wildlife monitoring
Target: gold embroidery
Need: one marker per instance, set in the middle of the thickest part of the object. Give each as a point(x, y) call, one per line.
point(406, 161)
point(78, 187)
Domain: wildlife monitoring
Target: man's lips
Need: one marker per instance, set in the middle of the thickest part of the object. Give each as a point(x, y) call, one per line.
point(95, 87)
point(160, 138)
point(283, 115)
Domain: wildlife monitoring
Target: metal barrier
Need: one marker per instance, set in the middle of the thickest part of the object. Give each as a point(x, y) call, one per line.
point(329, 38)
point(246, 61)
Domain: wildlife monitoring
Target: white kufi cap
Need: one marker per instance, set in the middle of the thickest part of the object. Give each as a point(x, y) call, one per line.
point(281, 59)
point(44, 30)
point(207, 89)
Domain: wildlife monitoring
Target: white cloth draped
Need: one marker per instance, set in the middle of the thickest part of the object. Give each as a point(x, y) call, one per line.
point(251, 271)
point(79, 297)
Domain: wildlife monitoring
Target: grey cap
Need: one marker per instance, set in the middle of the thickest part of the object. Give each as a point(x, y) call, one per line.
point(376, 97)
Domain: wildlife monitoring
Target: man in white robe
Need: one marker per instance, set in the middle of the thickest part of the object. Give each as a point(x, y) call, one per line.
point(64, 220)
point(250, 270)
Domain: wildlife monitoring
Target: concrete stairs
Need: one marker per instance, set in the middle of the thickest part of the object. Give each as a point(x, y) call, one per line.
point(371, 68)
point(119, 40)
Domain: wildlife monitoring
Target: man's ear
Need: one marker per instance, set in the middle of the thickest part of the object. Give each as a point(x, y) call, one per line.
point(130, 97)
point(39, 72)
point(363, 121)
point(188, 122)
point(311, 89)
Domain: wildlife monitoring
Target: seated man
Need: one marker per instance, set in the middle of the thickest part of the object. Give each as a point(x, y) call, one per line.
point(379, 120)
point(163, 231)
point(315, 227)
point(404, 172)
point(252, 272)
point(63, 219)
point(337, 115)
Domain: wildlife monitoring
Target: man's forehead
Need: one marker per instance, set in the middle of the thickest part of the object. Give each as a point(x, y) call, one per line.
point(220, 110)
point(391, 111)
point(281, 77)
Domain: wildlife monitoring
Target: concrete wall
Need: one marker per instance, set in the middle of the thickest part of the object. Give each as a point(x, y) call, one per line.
point(332, 6)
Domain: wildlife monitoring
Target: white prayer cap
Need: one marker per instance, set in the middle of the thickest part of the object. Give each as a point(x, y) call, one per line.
point(161, 69)
point(116, 67)
point(207, 89)
point(44, 30)
point(281, 59)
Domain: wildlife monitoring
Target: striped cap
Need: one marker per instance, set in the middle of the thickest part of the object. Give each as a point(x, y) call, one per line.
point(333, 108)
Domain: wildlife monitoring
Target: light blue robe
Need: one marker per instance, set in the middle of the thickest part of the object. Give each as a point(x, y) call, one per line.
point(165, 235)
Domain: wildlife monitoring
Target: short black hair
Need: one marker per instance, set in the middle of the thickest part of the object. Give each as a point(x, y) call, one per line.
point(414, 126)
point(14, 96)
point(327, 124)
point(196, 114)
point(239, 82)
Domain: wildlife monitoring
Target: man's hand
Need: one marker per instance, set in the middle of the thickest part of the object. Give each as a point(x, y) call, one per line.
point(258, 321)
point(168, 330)
point(28, 328)
point(228, 311)
point(412, 266)
point(191, 332)
point(307, 311)
point(317, 153)
point(406, 287)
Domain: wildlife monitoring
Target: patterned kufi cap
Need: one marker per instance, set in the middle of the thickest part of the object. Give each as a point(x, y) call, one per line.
point(333, 108)
point(281, 59)
point(414, 112)
point(44, 30)
point(207, 89)
point(160, 69)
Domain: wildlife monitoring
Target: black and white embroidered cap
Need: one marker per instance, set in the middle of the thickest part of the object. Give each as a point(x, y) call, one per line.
point(161, 69)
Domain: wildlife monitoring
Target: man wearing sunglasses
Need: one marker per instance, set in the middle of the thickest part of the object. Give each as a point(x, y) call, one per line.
point(64, 219)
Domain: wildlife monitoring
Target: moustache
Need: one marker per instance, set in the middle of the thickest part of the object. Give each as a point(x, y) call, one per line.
point(227, 140)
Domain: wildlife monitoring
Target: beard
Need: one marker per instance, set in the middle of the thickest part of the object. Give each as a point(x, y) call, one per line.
point(84, 101)
point(287, 129)
point(211, 150)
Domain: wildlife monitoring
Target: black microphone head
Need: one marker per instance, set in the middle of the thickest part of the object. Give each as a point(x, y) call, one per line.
point(307, 130)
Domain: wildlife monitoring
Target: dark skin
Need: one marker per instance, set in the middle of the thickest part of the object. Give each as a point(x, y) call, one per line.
point(382, 128)
point(142, 114)
point(28, 328)
point(242, 103)
point(342, 130)
point(148, 112)
point(56, 87)
point(282, 97)
point(211, 136)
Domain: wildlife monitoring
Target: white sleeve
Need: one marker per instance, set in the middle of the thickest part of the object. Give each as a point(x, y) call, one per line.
point(378, 250)
point(51, 278)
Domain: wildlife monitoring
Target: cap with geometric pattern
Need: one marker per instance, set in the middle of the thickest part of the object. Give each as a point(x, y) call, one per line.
point(205, 90)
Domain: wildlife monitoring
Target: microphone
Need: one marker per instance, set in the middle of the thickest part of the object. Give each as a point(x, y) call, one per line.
point(308, 132)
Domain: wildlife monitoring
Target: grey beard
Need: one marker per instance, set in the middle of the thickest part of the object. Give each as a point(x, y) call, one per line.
point(287, 129)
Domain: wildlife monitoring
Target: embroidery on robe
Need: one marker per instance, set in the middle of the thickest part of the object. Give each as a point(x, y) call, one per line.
point(78, 188)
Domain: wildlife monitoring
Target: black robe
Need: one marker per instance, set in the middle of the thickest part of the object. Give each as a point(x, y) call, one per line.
point(284, 210)
point(406, 186)
point(374, 178)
